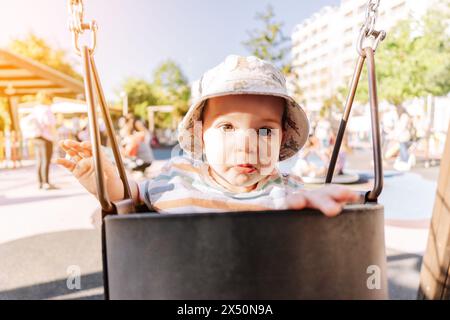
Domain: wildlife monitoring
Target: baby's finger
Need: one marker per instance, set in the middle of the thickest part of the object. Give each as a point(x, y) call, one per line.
point(84, 149)
point(70, 165)
point(63, 145)
point(86, 144)
point(71, 153)
point(69, 147)
point(86, 152)
point(347, 196)
point(324, 203)
point(296, 201)
point(342, 194)
point(76, 148)
point(76, 158)
point(71, 143)
point(81, 168)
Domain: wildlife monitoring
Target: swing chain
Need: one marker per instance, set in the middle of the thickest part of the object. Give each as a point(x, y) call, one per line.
point(77, 26)
point(368, 31)
point(371, 16)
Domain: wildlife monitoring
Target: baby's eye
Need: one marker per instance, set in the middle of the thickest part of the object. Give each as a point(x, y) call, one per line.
point(265, 132)
point(226, 128)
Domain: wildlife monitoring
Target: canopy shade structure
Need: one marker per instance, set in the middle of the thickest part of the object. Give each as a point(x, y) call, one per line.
point(23, 76)
point(64, 106)
point(20, 76)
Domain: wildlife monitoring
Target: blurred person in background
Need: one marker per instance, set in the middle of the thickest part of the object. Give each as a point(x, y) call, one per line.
point(405, 134)
point(44, 138)
point(136, 142)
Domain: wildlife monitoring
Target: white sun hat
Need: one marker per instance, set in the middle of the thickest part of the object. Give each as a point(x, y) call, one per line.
point(243, 75)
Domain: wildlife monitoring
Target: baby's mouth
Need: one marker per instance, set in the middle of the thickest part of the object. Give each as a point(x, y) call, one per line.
point(245, 168)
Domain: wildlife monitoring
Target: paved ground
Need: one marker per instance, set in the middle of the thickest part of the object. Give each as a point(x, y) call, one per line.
point(44, 234)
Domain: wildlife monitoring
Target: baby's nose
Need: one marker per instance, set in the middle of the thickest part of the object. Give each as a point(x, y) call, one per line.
point(246, 141)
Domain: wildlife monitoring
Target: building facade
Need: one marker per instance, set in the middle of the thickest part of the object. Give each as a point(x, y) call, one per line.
point(324, 45)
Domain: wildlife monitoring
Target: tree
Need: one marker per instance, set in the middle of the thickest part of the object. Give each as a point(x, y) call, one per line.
point(38, 49)
point(331, 105)
point(413, 61)
point(169, 86)
point(433, 49)
point(172, 87)
point(141, 94)
point(269, 43)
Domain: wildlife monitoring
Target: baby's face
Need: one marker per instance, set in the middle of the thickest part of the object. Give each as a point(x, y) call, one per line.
point(242, 136)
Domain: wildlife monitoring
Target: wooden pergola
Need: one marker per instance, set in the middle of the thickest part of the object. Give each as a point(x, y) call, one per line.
point(20, 76)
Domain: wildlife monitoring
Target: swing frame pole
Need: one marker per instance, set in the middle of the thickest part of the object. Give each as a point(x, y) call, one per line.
point(365, 53)
point(344, 120)
point(94, 93)
point(372, 196)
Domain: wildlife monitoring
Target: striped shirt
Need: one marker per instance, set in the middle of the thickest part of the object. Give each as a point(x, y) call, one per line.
point(186, 186)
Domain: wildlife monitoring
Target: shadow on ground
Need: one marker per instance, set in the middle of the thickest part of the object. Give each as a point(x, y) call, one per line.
point(38, 267)
point(91, 289)
point(403, 275)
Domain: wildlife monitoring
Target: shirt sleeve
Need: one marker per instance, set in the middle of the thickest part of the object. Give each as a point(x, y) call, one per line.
point(143, 187)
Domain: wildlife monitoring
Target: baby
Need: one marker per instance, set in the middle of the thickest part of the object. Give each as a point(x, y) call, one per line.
point(241, 123)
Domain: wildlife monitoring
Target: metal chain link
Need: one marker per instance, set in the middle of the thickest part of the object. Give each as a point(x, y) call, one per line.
point(371, 16)
point(368, 28)
point(77, 26)
point(75, 15)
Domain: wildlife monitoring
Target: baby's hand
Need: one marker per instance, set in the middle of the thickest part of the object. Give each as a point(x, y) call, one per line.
point(81, 164)
point(329, 199)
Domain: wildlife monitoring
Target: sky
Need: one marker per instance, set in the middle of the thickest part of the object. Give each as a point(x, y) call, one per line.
point(136, 35)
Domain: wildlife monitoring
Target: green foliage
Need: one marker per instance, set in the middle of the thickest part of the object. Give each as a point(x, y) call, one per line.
point(38, 49)
point(168, 87)
point(141, 94)
point(172, 87)
point(332, 104)
point(413, 61)
point(433, 50)
point(269, 42)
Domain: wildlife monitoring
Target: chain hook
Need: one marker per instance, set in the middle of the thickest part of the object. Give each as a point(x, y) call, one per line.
point(368, 28)
point(77, 26)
